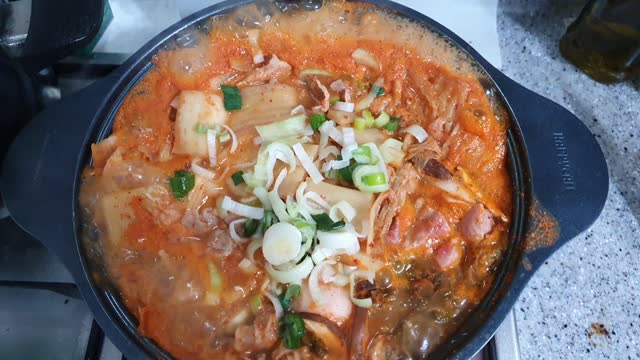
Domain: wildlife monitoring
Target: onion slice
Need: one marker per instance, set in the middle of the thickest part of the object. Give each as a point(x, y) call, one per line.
point(417, 131)
point(307, 163)
point(235, 207)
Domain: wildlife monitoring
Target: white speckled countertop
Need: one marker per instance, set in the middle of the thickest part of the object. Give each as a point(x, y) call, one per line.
point(595, 278)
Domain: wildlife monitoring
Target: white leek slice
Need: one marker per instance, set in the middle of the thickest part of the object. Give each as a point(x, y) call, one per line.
point(417, 131)
point(293, 275)
point(252, 248)
point(235, 207)
point(234, 234)
point(277, 306)
point(281, 243)
point(348, 136)
point(319, 254)
point(279, 206)
point(344, 242)
point(344, 106)
point(267, 157)
point(307, 163)
point(263, 195)
point(327, 151)
point(353, 279)
point(364, 58)
point(201, 171)
point(391, 151)
point(297, 110)
point(343, 207)
point(234, 139)
point(314, 287)
point(303, 204)
point(211, 147)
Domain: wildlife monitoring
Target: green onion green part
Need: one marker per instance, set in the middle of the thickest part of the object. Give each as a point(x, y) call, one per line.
point(324, 223)
point(232, 97)
point(393, 123)
point(237, 177)
point(181, 183)
point(316, 120)
point(292, 330)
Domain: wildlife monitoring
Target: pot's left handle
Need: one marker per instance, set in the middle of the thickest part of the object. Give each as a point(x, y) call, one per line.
point(38, 170)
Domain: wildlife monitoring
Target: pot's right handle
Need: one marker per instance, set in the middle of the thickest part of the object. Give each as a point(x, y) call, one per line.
point(569, 173)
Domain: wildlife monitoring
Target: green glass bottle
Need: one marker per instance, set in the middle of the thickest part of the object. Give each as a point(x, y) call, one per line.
point(604, 41)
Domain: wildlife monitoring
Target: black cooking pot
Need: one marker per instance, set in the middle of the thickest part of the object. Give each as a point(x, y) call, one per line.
point(558, 171)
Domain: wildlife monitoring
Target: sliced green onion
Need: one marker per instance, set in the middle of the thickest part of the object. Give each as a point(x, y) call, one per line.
point(232, 97)
point(366, 114)
point(268, 219)
point(393, 123)
point(362, 86)
point(381, 120)
point(293, 126)
point(292, 330)
point(292, 292)
point(374, 179)
point(391, 151)
point(345, 172)
point(359, 123)
point(324, 223)
point(362, 155)
point(334, 100)
point(369, 179)
point(250, 227)
point(307, 230)
point(214, 276)
point(316, 120)
point(380, 92)
point(224, 137)
point(181, 183)
point(203, 128)
point(281, 243)
point(255, 303)
point(237, 178)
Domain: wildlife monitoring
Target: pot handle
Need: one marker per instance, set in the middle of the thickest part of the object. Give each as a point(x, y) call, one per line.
point(38, 172)
point(569, 174)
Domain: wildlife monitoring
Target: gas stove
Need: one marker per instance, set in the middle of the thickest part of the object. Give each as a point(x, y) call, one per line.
point(42, 314)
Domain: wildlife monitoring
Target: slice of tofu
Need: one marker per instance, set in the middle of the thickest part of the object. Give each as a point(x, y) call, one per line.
point(360, 201)
point(196, 108)
point(293, 180)
point(117, 213)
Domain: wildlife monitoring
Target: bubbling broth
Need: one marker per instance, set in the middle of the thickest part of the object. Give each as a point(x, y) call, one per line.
point(327, 184)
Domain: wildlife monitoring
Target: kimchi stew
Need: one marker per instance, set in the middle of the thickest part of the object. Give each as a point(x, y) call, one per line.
point(302, 185)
